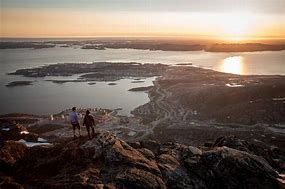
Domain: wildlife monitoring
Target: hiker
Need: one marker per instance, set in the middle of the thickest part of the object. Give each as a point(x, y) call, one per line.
point(74, 119)
point(89, 122)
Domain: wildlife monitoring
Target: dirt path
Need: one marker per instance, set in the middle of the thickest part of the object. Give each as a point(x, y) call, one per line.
point(166, 108)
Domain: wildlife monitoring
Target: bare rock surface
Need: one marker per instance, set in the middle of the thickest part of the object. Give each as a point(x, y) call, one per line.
point(106, 161)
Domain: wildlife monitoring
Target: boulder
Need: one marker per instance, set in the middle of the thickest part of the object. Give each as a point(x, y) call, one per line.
point(89, 178)
point(139, 179)
point(152, 145)
point(225, 167)
point(30, 137)
point(11, 131)
point(40, 163)
point(174, 174)
point(135, 145)
point(10, 153)
point(179, 151)
point(9, 183)
point(147, 153)
point(231, 142)
point(94, 148)
point(122, 154)
point(273, 155)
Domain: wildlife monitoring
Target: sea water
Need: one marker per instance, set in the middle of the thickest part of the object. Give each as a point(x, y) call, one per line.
point(45, 97)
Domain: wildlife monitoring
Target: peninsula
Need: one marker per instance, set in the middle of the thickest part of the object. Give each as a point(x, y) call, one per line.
point(98, 71)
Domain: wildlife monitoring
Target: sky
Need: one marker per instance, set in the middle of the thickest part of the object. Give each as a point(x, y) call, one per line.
point(232, 19)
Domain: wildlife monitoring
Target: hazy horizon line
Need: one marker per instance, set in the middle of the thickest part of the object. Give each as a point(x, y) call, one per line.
point(147, 36)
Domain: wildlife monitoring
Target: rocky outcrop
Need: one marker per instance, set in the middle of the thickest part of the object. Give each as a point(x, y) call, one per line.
point(273, 155)
point(11, 131)
point(138, 178)
point(10, 153)
point(108, 162)
point(224, 167)
point(14, 131)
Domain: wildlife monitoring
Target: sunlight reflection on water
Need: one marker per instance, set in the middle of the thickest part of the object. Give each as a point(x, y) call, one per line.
point(233, 64)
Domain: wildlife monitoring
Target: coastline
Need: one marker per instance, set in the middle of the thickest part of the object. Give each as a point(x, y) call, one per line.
point(172, 120)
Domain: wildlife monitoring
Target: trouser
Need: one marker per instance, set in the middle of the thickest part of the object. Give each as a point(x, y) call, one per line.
point(74, 127)
point(88, 130)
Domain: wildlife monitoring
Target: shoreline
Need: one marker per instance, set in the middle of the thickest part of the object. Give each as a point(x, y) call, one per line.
point(176, 120)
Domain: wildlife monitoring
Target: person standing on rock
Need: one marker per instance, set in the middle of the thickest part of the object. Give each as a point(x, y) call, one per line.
point(74, 119)
point(89, 122)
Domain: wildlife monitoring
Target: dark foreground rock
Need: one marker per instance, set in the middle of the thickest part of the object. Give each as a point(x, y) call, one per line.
point(11, 131)
point(14, 131)
point(108, 162)
point(10, 153)
point(273, 155)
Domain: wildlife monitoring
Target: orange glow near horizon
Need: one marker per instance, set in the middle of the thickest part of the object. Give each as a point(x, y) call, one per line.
point(66, 23)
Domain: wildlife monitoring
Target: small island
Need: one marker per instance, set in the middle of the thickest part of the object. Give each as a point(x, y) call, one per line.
point(95, 47)
point(65, 81)
point(19, 83)
point(91, 83)
point(137, 81)
point(112, 83)
point(184, 64)
point(138, 89)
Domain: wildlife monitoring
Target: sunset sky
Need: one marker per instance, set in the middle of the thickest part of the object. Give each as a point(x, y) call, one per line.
point(183, 18)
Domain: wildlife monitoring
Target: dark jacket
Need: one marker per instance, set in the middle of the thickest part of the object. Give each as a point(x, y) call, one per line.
point(88, 121)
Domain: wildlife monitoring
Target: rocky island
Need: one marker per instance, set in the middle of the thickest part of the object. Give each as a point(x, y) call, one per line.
point(19, 83)
point(96, 47)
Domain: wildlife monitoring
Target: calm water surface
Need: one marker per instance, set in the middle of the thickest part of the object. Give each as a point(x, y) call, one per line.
point(45, 97)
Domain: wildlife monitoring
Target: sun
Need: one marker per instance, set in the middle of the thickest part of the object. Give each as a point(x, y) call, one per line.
point(236, 26)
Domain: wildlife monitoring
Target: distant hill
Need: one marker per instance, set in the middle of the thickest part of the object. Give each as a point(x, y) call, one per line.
point(246, 47)
point(148, 45)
